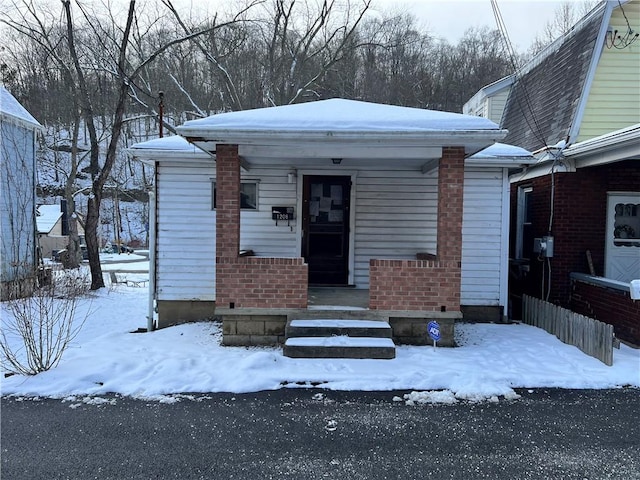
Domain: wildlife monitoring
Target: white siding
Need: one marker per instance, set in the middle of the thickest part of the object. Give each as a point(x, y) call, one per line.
point(187, 233)
point(496, 105)
point(395, 217)
point(482, 242)
point(186, 246)
point(258, 232)
point(17, 200)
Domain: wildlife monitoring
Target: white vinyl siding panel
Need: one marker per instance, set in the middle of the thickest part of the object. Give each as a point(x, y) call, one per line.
point(258, 232)
point(395, 217)
point(497, 104)
point(17, 200)
point(482, 236)
point(187, 230)
point(186, 241)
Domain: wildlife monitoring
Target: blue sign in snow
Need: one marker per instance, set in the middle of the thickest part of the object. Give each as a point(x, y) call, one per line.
point(434, 330)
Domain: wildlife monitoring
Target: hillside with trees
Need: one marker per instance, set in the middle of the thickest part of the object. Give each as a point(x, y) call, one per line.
point(95, 77)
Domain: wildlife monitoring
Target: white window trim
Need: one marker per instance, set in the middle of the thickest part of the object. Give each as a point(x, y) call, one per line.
point(523, 191)
point(243, 182)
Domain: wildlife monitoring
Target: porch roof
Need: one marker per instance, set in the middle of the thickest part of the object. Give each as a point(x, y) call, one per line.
point(503, 155)
point(344, 128)
point(178, 148)
point(172, 147)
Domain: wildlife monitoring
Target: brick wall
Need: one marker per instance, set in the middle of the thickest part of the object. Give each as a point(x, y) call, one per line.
point(414, 285)
point(608, 305)
point(579, 221)
point(227, 201)
point(450, 203)
point(248, 282)
point(259, 282)
point(422, 284)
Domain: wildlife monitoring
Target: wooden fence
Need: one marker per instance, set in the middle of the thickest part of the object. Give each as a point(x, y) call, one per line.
point(591, 336)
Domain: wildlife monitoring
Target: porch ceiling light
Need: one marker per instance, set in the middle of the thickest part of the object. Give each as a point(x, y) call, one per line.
point(336, 161)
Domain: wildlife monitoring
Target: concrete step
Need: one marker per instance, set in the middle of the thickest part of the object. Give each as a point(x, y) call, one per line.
point(338, 313)
point(340, 347)
point(324, 327)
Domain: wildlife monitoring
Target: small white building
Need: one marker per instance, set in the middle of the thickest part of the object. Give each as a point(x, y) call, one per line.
point(18, 259)
point(52, 231)
point(489, 101)
point(408, 204)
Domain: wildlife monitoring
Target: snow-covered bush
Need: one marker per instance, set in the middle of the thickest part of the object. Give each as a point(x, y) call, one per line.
point(37, 330)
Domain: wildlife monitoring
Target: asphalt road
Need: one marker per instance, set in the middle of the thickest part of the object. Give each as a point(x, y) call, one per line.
point(295, 434)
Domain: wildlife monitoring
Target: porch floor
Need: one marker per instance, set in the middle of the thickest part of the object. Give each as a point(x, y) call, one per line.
point(348, 298)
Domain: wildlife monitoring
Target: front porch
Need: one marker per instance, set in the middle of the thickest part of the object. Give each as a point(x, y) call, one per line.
point(257, 297)
point(267, 326)
point(352, 298)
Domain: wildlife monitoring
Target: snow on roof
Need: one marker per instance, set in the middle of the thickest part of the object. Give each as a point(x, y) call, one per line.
point(503, 150)
point(339, 115)
point(174, 143)
point(10, 107)
point(167, 147)
point(47, 216)
point(174, 146)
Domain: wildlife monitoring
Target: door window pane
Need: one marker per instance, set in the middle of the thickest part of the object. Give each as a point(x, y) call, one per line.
point(626, 226)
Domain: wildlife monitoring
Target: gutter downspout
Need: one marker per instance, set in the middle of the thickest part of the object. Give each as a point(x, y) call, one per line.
point(504, 245)
point(152, 256)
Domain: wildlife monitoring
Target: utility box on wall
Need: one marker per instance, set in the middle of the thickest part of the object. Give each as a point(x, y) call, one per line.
point(543, 246)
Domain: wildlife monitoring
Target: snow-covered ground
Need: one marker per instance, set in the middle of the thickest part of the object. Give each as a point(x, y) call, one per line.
point(490, 362)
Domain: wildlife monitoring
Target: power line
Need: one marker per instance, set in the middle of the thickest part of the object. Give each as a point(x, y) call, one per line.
point(535, 127)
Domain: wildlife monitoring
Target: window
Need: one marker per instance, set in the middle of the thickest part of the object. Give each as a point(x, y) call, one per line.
point(248, 195)
point(524, 232)
point(626, 225)
point(622, 259)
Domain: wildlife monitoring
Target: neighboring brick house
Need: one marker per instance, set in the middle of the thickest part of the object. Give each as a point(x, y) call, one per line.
point(406, 205)
point(577, 107)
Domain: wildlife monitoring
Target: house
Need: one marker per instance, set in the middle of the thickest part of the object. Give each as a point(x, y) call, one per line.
point(575, 225)
point(405, 206)
point(489, 101)
point(53, 231)
point(18, 259)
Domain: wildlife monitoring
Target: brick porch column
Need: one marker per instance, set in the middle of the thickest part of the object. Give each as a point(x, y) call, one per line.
point(227, 224)
point(227, 201)
point(248, 282)
point(450, 204)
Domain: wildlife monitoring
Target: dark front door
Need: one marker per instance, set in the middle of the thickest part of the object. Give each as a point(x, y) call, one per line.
point(325, 228)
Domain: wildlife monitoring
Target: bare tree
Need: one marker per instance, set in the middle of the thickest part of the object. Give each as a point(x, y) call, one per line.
point(302, 44)
point(93, 71)
point(99, 66)
point(566, 16)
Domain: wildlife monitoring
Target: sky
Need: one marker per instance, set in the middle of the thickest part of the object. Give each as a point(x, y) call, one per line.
point(524, 19)
point(449, 19)
point(493, 362)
